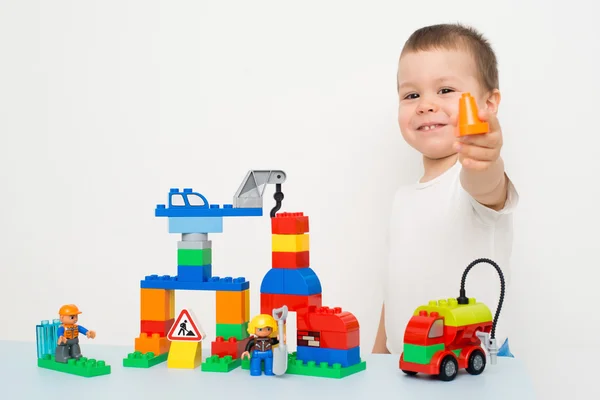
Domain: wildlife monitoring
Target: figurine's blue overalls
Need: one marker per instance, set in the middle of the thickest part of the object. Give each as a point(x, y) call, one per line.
point(263, 351)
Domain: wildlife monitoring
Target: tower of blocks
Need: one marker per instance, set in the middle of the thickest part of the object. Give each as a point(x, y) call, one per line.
point(328, 339)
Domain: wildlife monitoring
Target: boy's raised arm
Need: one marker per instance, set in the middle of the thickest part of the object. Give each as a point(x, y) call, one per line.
point(482, 174)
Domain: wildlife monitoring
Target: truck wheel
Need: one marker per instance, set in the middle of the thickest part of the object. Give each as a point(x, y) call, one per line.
point(476, 363)
point(410, 373)
point(448, 369)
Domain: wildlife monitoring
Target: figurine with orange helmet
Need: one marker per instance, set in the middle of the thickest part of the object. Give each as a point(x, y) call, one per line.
point(263, 327)
point(68, 334)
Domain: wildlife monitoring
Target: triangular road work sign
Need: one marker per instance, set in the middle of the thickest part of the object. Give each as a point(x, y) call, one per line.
point(186, 328)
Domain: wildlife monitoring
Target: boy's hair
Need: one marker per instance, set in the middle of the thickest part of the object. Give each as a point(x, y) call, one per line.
point(458, 37)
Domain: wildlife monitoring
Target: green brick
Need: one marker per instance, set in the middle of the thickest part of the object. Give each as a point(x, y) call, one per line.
point(420, 354)
point(220, 364)
point(194, 257)
point(311, 368)
point(139, 360)
point(85, 367)
point(238, 331)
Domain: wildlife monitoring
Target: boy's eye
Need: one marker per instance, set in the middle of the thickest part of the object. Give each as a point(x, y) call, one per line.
point(446, 90)
point(411, 96)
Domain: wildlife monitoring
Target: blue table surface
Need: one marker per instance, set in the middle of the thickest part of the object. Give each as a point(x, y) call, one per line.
point(20, 378)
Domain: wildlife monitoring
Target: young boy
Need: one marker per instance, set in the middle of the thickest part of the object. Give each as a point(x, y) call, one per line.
point(460, 210)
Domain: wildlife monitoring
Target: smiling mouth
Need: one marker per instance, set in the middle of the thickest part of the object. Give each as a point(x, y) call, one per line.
point(431, 127)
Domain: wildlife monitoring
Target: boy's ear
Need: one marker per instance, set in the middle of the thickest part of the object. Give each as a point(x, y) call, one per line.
point(493, 101)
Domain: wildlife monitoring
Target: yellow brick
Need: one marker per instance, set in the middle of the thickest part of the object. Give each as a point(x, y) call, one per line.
point(185, 355)
point(290, 243)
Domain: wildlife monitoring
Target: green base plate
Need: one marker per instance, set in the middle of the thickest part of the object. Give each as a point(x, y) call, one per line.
point(83, 367)
point(311, 368)
point(220, 364)
point(140, 360)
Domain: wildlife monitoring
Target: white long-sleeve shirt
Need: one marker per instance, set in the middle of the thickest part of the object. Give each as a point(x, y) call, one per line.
point(437, 229)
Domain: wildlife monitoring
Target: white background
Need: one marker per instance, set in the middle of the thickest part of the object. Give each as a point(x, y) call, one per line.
point(106, 105)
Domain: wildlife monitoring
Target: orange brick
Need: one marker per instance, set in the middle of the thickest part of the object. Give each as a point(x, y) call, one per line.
point(155, 344)
point(232, 307)
point(157, 304)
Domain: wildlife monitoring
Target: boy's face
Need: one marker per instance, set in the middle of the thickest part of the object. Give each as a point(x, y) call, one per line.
point(430, 86)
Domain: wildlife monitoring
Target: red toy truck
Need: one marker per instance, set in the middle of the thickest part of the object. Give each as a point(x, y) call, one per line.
point(445, 336)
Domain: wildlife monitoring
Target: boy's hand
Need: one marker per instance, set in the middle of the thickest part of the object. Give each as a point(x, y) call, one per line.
point(479, 152)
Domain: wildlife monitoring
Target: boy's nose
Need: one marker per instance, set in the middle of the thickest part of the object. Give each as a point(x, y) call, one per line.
point(426, 107)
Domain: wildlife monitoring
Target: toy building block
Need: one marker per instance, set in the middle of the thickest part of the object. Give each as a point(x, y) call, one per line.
point(159, 327)
point(331, 319)
point(339, 340)
point(291, 260)
point(157, 304)
point(468, 117)
point(220, 364)
point(187, 203)
point(320, 370)
point(185, 355)
point(194, 256)
point(232, 307)
point(140, 360)
point(194, 273)
point(238, 331)
point(83, 367)
point(285, 223)
point(295, 303)
point(290, 243)
point(46, 337)
point(301, 281)
point(345, 358)
point(152, 344)
point(228, 347)
point(196, 224)
point(214, 283)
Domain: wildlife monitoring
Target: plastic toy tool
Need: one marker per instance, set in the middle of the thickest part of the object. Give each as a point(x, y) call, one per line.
point(468, 117)
point(280, 354)
point(447, 335)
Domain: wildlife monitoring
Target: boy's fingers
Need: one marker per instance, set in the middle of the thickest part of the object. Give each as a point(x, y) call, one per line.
point(488, 140)
point(476, 152)
point(475, 165)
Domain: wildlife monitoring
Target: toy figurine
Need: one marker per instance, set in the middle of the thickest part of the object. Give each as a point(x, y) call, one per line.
point(68, 334)
point(262, 327)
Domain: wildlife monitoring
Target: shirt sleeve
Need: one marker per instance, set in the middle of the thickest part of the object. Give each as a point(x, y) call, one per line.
point(490, 216)
point(61, 331)
point(82, 330)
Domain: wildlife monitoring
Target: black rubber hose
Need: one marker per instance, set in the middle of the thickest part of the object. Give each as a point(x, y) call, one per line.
point(462, 299)
point(278, 196)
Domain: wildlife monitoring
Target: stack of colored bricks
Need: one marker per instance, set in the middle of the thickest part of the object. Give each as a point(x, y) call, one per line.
point(324, 335)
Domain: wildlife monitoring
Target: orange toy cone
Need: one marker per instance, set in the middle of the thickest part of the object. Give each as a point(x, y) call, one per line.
point(468, 117)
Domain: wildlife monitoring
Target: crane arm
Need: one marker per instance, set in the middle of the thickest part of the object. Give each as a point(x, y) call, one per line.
point(250, 192)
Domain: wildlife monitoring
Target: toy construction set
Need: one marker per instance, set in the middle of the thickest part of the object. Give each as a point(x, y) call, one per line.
point(441, 338)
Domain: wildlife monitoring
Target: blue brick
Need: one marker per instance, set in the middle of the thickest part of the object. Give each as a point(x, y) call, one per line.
point(301, 281)
point(332, 356)
point(215, 283)
point(199, 207)
point(194, 273)
point(196, 225)
point(161, 211)
point(273, 282)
